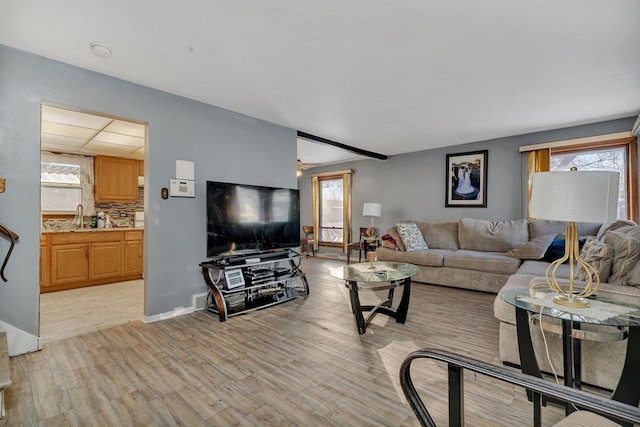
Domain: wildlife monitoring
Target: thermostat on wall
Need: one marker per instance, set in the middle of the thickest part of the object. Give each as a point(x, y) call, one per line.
point(182, 188)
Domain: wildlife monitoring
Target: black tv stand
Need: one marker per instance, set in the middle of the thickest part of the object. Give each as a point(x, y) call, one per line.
point(241, 283)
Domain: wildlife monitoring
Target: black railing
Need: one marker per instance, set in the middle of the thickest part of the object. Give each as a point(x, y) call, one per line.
point(539, 387)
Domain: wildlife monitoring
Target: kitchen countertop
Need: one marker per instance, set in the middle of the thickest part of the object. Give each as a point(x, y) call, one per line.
point(91, 230)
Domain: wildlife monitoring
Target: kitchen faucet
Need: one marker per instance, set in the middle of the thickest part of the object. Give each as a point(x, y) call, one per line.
point(79, 218)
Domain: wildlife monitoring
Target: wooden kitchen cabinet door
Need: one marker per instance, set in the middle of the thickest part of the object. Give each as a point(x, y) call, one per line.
point(116, 179)
point(105, 260)
point(133, 257)
point(45, 270)
point(69, 264)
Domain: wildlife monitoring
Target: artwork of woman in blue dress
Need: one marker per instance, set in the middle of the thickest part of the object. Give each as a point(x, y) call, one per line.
point(465, 190)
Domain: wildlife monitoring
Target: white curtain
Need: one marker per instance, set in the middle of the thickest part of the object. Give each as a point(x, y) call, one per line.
point(86, 176)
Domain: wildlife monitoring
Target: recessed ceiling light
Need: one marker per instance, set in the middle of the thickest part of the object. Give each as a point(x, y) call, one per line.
point(100, 50)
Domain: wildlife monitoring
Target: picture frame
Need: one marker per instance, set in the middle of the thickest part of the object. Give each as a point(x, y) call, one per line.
point(466, 179)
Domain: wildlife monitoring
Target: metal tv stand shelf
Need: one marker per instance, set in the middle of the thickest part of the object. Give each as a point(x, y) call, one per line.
point(240, 284)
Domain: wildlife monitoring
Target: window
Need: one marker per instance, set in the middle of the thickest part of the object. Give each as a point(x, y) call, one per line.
point(65, 182)
point(331, 223)
point(609, 159)
point(331, 193)
point(613, 152)
point(60, 190)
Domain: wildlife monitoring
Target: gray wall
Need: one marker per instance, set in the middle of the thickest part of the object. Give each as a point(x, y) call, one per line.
point(225, 146)
point(412, 186)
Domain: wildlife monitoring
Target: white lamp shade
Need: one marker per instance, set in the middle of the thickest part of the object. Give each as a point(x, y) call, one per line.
point(372, 209)
point(578, 196)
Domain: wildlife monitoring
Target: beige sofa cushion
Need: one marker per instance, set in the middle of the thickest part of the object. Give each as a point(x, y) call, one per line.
point(613, 226)
point(543, 227)
point(440, 235)
point(533, 249)
point(598, 255)
point(431, 257)
point(492, 236)
point(626, 253)
point(482, 261)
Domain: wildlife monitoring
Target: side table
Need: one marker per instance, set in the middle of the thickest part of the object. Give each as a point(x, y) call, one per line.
point(622, 312)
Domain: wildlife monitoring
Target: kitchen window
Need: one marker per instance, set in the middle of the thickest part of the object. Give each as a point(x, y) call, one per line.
point(66, 181)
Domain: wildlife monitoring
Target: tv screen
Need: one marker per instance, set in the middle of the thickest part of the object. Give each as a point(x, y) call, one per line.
point(243, 219)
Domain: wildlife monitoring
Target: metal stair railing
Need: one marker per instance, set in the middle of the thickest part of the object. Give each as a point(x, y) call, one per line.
point(620, 412)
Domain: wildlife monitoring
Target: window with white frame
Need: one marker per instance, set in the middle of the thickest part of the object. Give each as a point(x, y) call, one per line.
point(66, 181)
point(604, 155)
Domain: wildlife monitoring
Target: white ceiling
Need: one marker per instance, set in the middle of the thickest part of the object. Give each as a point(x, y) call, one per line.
point(385, 76)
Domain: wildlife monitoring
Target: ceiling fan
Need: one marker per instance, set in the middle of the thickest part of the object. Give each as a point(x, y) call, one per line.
point(305, 165)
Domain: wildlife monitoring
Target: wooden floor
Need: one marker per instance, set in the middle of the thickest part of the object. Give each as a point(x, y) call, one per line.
point(79, 311)
point(301, 363)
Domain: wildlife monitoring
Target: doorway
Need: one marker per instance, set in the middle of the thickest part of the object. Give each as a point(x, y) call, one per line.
point(92, 221)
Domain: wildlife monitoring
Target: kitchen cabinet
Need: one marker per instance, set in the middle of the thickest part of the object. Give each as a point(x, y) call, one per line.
point(77, 259)
point(45, 270)
point(105, 260)
point(133, 252)
point(69, 264)
point(116, 179)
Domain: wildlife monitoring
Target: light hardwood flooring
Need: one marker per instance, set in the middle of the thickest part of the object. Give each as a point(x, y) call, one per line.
point(79, 311)
point(301, 363)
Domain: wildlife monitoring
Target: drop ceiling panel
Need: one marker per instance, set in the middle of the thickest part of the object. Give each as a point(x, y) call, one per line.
point(109, 149)
point(63, 129)
point(126, 128)
point(60, 148)
point(48, 139)
point(70, 131)
point(116, 138)
point(74, 118)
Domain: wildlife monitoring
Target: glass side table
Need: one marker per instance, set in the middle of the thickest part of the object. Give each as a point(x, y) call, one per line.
point(607, 309)
point(374, 277)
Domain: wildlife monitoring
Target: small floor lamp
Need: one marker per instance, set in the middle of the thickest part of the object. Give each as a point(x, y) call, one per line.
point(574, 196)
point(373, 210)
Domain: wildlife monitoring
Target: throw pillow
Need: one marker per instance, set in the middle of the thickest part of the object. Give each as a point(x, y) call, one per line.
point(389, 242)
point(626, 253)
point(555, 250)
point(533, 249)
point(411, 237)
point(597, 254)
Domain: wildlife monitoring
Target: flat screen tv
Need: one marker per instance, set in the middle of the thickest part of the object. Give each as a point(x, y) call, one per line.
point(245, 219)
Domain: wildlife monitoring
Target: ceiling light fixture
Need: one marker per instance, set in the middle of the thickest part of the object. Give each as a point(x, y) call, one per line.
point(100, 50)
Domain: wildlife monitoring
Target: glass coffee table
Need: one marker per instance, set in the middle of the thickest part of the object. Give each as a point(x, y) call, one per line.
point(383, 276)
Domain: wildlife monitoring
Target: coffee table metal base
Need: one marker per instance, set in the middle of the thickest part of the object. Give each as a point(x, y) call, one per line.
point(384, 307)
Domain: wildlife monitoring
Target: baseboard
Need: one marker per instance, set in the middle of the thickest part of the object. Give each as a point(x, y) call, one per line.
point(178, 311)
point(331, 255)
point(19, 341)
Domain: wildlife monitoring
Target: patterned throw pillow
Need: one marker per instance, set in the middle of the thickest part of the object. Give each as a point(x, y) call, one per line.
point(597, 254)
point(411, 237)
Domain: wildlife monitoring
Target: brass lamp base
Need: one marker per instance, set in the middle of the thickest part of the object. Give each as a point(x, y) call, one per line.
point(571, 301)
point(569, 297)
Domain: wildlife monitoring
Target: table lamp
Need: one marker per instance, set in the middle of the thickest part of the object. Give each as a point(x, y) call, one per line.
point(373, 210)
point(574, 196)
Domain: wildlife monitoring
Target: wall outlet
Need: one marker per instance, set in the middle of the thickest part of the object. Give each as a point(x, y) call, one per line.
point(199, 302)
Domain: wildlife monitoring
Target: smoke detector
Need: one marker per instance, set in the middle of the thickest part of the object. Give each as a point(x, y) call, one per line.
point(100, 50)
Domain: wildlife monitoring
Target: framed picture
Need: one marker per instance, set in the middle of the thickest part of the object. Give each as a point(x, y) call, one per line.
point(467, 179)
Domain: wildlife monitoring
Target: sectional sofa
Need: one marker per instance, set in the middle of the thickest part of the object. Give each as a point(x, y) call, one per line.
point(494, 256)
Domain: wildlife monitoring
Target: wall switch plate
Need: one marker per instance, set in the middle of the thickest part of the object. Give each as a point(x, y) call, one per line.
point(182, 188)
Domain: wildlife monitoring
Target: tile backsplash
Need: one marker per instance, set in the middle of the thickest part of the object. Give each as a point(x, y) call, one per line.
point(121, 213)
